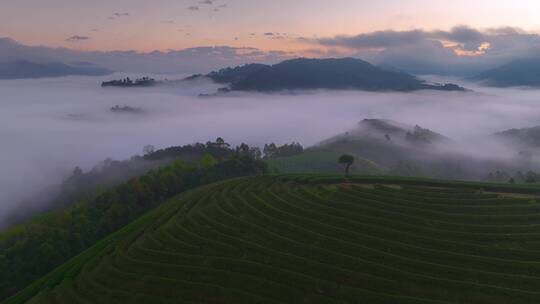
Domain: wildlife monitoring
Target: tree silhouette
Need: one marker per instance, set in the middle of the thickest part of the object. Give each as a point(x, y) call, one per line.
point(148, 149)
point(347, 160)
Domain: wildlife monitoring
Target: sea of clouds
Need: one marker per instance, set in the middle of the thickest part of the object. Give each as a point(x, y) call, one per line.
point(49, 126)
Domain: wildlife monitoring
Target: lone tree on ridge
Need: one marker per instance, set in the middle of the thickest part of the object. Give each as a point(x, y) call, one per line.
point(347, 160)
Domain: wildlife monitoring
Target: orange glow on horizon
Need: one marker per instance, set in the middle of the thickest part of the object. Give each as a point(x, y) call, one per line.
point(481, 50)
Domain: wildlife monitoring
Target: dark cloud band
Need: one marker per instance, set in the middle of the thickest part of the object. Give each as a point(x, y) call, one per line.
point(77, 38)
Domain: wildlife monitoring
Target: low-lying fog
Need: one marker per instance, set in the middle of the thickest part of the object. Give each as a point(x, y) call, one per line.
point(49, 126)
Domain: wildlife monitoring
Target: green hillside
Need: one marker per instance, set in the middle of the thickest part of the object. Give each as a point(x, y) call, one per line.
point(303, 239)
point(320, 161)
point(34, 248)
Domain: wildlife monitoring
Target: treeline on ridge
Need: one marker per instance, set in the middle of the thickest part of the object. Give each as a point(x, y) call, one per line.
point(110, 172)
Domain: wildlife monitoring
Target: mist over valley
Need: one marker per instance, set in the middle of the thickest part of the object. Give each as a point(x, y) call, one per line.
point(50, 126)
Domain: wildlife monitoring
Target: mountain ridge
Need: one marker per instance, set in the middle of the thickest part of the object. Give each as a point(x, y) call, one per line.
point(328, 73)
point(520, 72)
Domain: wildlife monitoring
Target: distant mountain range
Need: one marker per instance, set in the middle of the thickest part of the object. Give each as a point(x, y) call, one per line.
point(302, 73)
point(523, 72)
point(297, 74)
point(25, 69)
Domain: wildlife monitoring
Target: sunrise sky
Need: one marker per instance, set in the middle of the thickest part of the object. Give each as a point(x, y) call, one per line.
point(146, 25)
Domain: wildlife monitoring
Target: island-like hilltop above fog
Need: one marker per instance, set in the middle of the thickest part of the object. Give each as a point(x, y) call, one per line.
point(308, 74)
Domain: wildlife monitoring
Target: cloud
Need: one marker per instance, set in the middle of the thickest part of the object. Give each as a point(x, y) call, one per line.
point(184, 61)
point(210, 3)
point(462, 34)
point(275, 35)
point(374, 40)
point(458, 51)
point(119, 15)
point(391, 38)
point(506, 30)
point(77, 38)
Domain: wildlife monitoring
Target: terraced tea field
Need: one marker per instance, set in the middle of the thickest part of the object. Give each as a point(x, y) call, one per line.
point(281, 240)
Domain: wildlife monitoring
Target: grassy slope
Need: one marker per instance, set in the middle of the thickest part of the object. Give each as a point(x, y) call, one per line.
point(320, 161)
point(315, 239)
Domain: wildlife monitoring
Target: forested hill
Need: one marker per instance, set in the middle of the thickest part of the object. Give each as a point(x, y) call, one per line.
point(31, 250)
point(334, 73)
point(108, 173)
point(523, 138)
